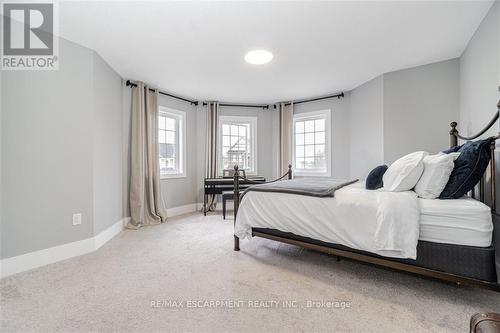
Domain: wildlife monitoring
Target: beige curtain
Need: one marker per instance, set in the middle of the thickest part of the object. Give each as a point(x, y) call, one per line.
point(146, 204)
point(285, 137)
point(211, 166)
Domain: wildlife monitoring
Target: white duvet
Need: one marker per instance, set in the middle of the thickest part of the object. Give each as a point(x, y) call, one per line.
point(385, 223)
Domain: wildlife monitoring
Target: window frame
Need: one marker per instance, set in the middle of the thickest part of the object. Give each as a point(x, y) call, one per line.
point(254, 141)
point(181, 141)
point(312, 115)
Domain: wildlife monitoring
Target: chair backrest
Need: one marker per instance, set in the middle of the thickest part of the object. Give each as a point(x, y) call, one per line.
point(229, 173)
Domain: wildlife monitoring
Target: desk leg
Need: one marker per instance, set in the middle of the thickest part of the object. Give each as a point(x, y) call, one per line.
point(223, 208)
point(205, 204)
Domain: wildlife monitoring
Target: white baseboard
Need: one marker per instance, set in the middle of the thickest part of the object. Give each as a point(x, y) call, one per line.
point(107, 234)
point(44, 257)
point(180, 210)
point(31, 260)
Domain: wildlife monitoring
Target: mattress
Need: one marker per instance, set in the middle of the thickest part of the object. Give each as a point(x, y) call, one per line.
point(349, 218)
point(464, 221)
point(384, 223)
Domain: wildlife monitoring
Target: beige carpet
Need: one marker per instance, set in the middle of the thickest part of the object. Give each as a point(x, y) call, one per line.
point(264, 287)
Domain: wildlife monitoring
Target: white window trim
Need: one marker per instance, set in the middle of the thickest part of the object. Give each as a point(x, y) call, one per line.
point(328, 124)
point(183, 145)
point(238, 119)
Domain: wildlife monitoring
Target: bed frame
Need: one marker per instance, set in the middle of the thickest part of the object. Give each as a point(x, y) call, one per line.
point(453, 263)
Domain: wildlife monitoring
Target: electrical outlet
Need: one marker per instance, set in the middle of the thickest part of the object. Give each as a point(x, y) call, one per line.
point(77, 219)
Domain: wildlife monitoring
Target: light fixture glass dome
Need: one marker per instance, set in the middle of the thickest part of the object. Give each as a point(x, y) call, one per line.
point(258, 57)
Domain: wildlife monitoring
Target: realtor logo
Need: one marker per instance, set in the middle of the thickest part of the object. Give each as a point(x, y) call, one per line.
point(29, 36)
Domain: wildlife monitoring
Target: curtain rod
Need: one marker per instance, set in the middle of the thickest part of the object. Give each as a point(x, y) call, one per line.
point(131, 84)
point(339, 96)
point(263, 106)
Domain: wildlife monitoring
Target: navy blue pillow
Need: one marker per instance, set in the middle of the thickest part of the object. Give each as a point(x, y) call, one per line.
point(469, 168)
point(374, 179)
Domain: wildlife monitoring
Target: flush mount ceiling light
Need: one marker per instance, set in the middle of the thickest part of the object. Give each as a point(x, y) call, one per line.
point(258, 57)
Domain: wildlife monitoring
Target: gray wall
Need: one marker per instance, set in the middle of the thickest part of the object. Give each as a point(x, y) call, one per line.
point(61, 152)
point(366, 128)
point(1, 172)
point(480, 80)
point(419, 104)
point(401, 112)
point(47, 153)
point(107, 145)
point(480, 75)
point(126, 142)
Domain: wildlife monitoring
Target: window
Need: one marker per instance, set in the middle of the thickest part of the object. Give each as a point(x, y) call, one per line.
point(238, 143)
point(171, 140)
point(311, 142)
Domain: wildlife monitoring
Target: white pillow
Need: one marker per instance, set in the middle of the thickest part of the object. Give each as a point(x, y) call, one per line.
point(437, 171)
point(403, 174)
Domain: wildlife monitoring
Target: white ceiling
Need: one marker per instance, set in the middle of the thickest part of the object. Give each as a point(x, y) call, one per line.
point(196, 49)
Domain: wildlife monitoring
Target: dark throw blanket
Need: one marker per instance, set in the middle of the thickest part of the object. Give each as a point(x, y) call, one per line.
point(313, 187)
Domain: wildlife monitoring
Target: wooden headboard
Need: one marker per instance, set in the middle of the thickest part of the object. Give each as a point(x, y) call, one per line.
point(489, 177)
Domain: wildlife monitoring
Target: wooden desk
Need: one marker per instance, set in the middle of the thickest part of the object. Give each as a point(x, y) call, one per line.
point(219, 185)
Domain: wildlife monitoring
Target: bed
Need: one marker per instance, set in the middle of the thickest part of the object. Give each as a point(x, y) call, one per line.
point(454, 240)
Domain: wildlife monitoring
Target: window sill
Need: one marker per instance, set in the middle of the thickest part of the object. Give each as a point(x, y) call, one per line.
point(311, 174)
point(247, 173)
point(172, 176)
